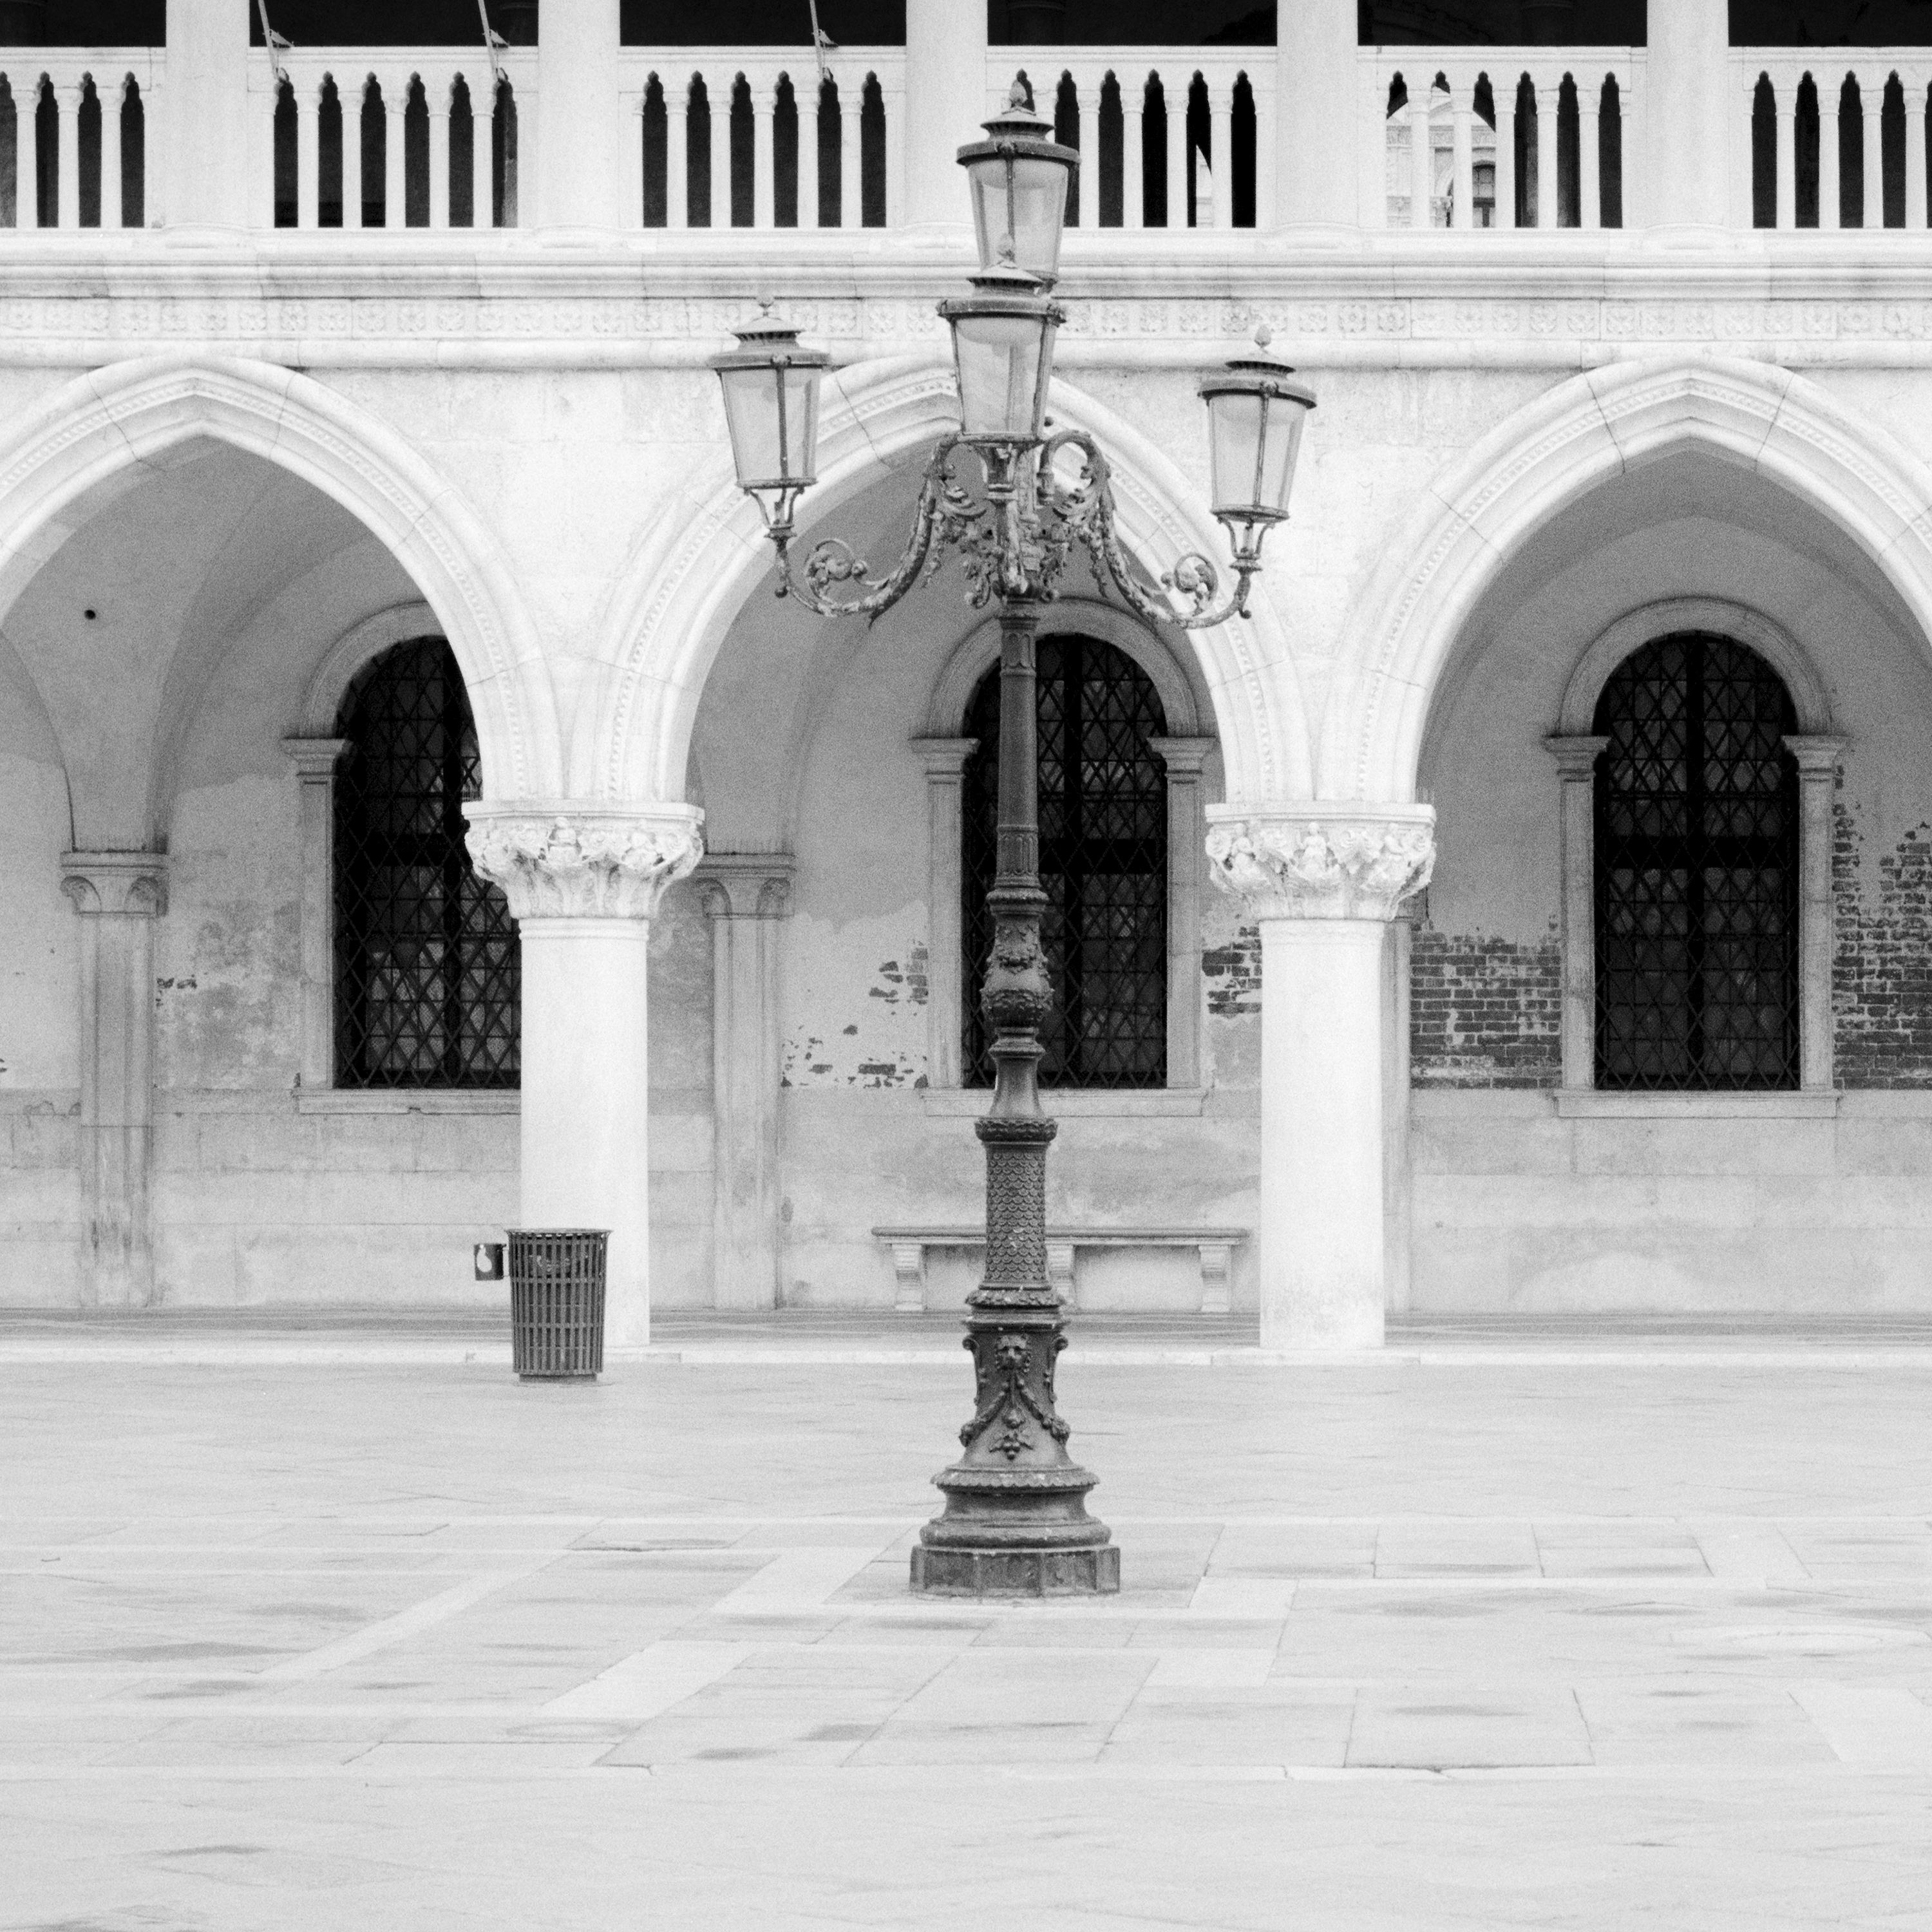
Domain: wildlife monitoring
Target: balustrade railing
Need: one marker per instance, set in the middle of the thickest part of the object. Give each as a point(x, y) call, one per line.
point(76, 128)
point(1500, 137)
point(1168, 137)
point(387, 137)
point(1831, 137)
point(742, 137)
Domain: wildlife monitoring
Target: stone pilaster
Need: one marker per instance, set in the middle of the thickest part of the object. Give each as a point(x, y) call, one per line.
point(583, 882)
point(314, 760)
point(119, 896)
point(747, 895)
point(1325, 882)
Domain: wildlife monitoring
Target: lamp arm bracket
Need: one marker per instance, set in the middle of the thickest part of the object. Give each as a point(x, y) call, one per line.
point(833, 561)
point(1086, 509)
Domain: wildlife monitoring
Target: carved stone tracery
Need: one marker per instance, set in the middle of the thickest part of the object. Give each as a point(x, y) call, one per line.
point(1323, 862)
point(588, 861)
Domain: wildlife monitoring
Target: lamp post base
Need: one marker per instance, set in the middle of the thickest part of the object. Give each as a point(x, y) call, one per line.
point(1017, 1573)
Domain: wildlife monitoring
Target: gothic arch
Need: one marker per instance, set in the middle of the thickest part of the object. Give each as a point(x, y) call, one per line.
point(93, 437)
point(684, 586)
point(1475, 516)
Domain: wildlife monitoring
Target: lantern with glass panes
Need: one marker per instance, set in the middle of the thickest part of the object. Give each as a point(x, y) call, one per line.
point(1012, 498)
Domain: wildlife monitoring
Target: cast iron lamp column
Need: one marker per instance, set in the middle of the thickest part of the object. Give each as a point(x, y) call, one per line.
point(1016, 1520)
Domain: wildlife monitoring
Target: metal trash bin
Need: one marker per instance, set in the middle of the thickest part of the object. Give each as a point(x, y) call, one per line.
point(557, 1303)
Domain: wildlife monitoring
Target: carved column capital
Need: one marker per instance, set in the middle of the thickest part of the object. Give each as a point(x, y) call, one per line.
point(314, 758)
point(134, 884)
point(1322, 861)
point(746, 885)
point(567, 860)
point(1576, 756)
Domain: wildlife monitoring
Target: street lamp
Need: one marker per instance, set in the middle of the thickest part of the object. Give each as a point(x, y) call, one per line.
point(1015, 1518)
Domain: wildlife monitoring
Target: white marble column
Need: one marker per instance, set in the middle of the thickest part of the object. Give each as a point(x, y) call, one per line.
point(1817, 758)
point(437, 97)
point(1577, 817)
point(1871, 113)
point(747, 895)
point(1324, 882)
point(582, 159)
point(945, 102)
point(1686, 115)
point(1549, 110)
point(119, 896)
point(1318, 95)
point(204, 171)
point(1831, 155)
point(1915, 153)
point(583, 883)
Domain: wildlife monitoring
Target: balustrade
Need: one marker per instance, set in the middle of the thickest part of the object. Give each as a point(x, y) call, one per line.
point(1451, 138)
point(735, 137)
point(387, 137)
point(75, 128)
point(1500, 137)
point(1168, 138)
point(1831, 137)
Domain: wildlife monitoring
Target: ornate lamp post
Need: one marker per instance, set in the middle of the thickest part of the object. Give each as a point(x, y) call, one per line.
point(998, 493)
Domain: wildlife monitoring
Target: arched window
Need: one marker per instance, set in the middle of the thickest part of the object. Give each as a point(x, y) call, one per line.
point(1102, 862)
point(426, 960)
point(1696, 871)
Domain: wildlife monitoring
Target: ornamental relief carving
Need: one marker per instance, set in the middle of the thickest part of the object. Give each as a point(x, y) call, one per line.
point(1333, 867)
point(588, 864)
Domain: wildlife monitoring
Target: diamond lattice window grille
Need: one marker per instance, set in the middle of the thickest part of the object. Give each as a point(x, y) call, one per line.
point(1696, 872)
point(1102, 864)
point(427, 969)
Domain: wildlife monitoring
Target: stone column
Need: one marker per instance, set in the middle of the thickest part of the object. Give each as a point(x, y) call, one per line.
point(1576, 816)
point(315, 759)
point(119, 896)
point(746, 894)
point(1186, 827)
point(1817, 758)
point(1324, 881)
point(945, 762)
point(1317, 138)
point(583, 882)
point(1687, 114)
point(582, 159)
point(945, 102)
point(205, 124)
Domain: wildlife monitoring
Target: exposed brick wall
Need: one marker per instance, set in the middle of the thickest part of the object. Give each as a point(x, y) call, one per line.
point(1234, 975)
point(1484, 1011)
point(1882, 966)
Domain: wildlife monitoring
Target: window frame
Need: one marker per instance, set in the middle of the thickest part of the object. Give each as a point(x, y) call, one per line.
point(1188, 751)
point(314, 751)
point(1816, 750)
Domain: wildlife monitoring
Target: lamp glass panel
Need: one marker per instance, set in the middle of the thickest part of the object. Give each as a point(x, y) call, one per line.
point(751, 412)
point(799, 396)
point(1000, 361)
point(1246, 474)
point(1024, 214)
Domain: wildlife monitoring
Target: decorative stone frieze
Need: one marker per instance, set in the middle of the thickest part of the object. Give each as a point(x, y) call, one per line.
point(568, 861)
point(1317, 861)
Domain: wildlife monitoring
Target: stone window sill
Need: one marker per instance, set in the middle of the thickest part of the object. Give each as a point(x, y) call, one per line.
point(357, 1100)
point(1572, 1104)
point(1078, 1102)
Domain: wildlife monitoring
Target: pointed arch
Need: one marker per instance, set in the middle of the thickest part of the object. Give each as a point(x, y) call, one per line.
point(95, 435)
point(1481, 511)
point(684, 586)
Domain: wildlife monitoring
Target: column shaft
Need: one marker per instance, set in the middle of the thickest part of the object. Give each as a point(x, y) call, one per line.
point(1221, 138)
point(119, 896)
point(1817, 787)
point(1323, 1253)
point(1830, 185)
point(1687, 111)
point(1871, 103)
point(945, 102)
point(581, 119)
point(1915, 155)
point(109, 91)
point(438, 159)
point(1133, 157)
point(1576, 775)
point(395, 153)
point(1318, 95)
point(1548, 106)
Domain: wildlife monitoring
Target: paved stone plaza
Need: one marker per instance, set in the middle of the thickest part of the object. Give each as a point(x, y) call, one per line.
point(1471, 1637)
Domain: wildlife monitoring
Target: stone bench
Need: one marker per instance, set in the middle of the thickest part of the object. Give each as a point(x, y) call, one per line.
point(1216, 1246)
